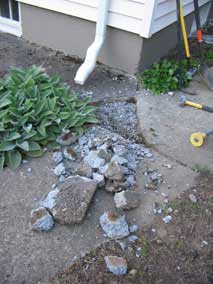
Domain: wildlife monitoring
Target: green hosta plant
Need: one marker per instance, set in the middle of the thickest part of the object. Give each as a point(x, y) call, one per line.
point(34, 109)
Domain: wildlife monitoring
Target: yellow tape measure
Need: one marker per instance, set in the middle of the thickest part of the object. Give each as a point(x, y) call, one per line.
point(197, 139)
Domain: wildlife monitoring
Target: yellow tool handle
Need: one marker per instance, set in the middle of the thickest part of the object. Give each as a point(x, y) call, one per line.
point(195, 105)
point(183, 27)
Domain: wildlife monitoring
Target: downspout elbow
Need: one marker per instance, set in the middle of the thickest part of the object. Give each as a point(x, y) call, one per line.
point(93, 51)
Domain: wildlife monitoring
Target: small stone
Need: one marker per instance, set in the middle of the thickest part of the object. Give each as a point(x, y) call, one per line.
point(93, 160)
point(69, 154)
point(119, 160)
point(193, 198)
point(116, 265)
point(149, 155)
point(84, 169)
point(114, 172)
point(130, 181)
point(132, 239)
point(67, 138)
point(104, 154)
point(120, 150)
point(41, 220)
point(168, 166)
point(29, 170)
point(57, 157)
point(150, 185)
point(167, 219)
point(59, 169)
point(49, 201)
point(82, 140)
point(133, 272)
point(114, 225)
point(122, 245)
point(103, 170)
point(171, 94)
point(99, 179)
point(133, 228)
point(127, 200)
point(132, 166)
point(154, 176)
point(61, 178)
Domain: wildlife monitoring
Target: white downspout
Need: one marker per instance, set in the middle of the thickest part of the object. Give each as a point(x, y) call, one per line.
point(93, 51)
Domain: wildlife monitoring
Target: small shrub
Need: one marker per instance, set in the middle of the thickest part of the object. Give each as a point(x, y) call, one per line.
point(34, 109)
point(162, 77)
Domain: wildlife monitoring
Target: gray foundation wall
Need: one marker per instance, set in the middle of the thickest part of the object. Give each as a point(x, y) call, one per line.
point(122, 50)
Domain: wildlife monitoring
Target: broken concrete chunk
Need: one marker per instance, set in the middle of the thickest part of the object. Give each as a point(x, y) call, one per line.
point(127, 200)
point(73, 199)
point(120, 150)
point(67, 138)
point(167, 219)
point(59, 169)
point(41, 220)
point(93, 160)
point(49, 201)
point(119, 160)
point(132, 239)
point(114, 225)
point(83, 169)
point(114, 172)
point(57, 157)
point(130, 181)
point(133, 228)
point(116, 265)
point(114, 186)
point(99, 179)
point(69, 154)
point(104, 154)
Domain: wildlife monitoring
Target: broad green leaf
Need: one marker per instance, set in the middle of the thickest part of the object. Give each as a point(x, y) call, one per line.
point(33, 146)
point(24, 145)
point(4, 102)
point(28, 128)
point(29, 135)
point(92, 120)
point(12, 136)
point(7, 146)
point(13, 159)
point(34, 154)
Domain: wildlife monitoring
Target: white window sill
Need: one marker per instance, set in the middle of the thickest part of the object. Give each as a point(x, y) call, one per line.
point(10, 26)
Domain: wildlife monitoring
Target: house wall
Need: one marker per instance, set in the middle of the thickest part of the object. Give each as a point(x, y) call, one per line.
point(73, 36)
point(142, 17)
point(126, 15)
point(165, 12)
point(122, 49)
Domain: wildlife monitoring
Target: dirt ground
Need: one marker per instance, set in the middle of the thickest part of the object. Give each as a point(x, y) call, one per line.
point(180, 252)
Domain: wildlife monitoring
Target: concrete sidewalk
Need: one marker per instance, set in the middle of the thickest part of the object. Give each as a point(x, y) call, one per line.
point(168, 126)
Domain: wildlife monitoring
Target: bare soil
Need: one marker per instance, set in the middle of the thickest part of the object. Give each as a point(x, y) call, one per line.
point(180, 252)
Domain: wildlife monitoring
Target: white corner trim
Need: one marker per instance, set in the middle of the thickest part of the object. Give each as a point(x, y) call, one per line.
point(10, 26)
point(148, 18)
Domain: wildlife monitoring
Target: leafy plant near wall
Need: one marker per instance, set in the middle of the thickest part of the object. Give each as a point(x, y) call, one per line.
point(162, 77)
point(34, 109)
